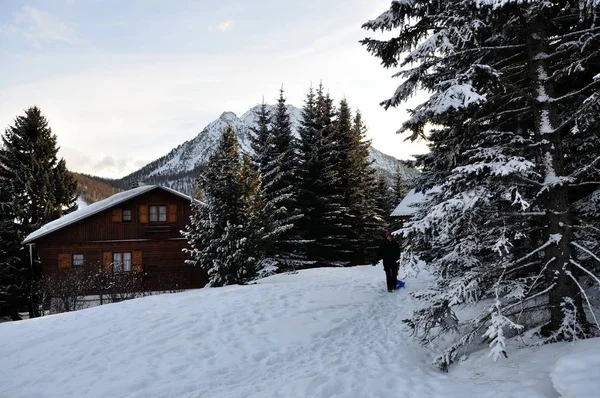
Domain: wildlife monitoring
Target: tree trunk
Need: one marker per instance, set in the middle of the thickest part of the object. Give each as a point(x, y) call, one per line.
point(555, 200)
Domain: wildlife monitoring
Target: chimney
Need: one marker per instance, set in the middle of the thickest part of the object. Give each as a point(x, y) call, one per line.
point(137, 184)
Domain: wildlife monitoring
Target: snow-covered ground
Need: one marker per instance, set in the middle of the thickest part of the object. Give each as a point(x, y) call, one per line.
point(319, 333)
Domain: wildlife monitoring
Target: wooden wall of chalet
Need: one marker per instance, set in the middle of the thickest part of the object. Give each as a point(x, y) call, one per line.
point(160, 243)
point(101, 227)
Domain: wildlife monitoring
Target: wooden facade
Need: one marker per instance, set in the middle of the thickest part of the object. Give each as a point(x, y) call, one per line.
point(140, 235)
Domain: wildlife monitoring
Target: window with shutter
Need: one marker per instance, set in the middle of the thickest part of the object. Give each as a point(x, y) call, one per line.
point(64, 260)
point(143, 214)
point(107, 261)
point(172, 213)
point(137, 265)
point(117, 215)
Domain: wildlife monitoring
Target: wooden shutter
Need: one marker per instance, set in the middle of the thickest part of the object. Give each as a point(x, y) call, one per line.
point(137, 261)
point(117, 215)
point(144, 214)
point(172, 213)
point(64, 260)
point(107, 261)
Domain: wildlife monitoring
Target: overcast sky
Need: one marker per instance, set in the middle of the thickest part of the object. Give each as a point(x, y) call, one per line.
point(122, 82)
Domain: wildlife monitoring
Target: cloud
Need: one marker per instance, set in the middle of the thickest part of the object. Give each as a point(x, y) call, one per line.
point(39, 27)
point(101, 165)
point(222, 26)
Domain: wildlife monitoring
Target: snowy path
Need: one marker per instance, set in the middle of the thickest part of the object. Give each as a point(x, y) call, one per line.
point(320, 333)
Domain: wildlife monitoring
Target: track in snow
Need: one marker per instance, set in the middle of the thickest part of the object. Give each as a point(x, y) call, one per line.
point(319, 333)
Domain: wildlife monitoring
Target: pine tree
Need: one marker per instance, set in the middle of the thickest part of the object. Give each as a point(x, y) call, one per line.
point(320, 199)
point(280, 193)
point(508, 92)
point(384, 199)
point(40, 186)
point(14, 266)
point(400, 189)
point(369, 218)
point(357, 187)
point(261, 140)
point(225, 230)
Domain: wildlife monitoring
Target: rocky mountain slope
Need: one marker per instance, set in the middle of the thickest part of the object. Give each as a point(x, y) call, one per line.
point(179, 168)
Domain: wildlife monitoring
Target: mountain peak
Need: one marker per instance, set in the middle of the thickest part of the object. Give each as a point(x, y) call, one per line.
point(228, 116)
point(178, 168)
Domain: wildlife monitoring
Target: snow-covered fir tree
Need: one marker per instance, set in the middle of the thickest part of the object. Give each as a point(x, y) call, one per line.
point(358, 187)
point(261, 140)
point(14, 267)
point(512, 93)
point(226, 231)
point(400, 188)
point(372, 218)
point(383, 197)
point(39, 188)
point(279, 187)
point(319, 182)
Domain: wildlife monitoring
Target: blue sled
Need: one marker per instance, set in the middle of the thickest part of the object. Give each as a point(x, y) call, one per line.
point(399, 284)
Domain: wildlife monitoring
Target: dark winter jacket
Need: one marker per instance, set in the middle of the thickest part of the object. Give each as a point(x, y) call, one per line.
point(389, 251)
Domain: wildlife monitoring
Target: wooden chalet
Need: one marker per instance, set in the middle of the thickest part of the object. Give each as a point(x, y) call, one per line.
point(135, 231)
point(406, 208)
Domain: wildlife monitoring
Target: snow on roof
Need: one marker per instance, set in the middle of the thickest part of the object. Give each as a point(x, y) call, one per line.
point(406, 207)
point(409, 204)
point(95, 208)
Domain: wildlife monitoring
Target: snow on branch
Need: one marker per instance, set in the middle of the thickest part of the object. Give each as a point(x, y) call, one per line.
point(586, 298)
point(396, 16)
point(457, 96)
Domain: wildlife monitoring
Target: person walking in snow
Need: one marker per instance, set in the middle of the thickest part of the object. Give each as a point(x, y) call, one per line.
point(389, 252)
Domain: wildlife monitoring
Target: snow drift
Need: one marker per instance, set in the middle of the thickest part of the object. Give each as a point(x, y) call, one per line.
point(319, 333)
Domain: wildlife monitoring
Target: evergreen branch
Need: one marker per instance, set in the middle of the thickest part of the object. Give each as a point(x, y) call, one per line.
point(575, 263)
point(574, 93)
point(570, 274)
point(584, 169)
point(576, 33)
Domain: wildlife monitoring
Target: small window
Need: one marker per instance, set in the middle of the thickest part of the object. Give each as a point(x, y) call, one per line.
point(117, 262)
point(158, 213)
point(127, 215)
point(153, 213)
point(122, 262)
point(127, 262)
point(78, 260)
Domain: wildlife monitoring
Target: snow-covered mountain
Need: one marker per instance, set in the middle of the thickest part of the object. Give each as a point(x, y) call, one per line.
point(179, 168)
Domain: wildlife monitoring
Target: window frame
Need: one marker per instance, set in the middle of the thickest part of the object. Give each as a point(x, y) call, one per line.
point(130, 212)
point(121, 263)
point(75, 263)
point(157, 216)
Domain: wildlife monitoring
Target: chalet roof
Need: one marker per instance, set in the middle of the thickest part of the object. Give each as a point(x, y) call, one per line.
point(407, 206)
point(96, 208)
point(410, 204)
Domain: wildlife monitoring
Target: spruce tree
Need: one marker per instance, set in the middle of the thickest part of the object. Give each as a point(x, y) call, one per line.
point(225, 230)
point(383, 197)
point(40, 186)
point(261, 140)
point(280, 192)
point(510, 85)
point(399, 187)
point(319, 182)
point(369, 219)
point(14, 267)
